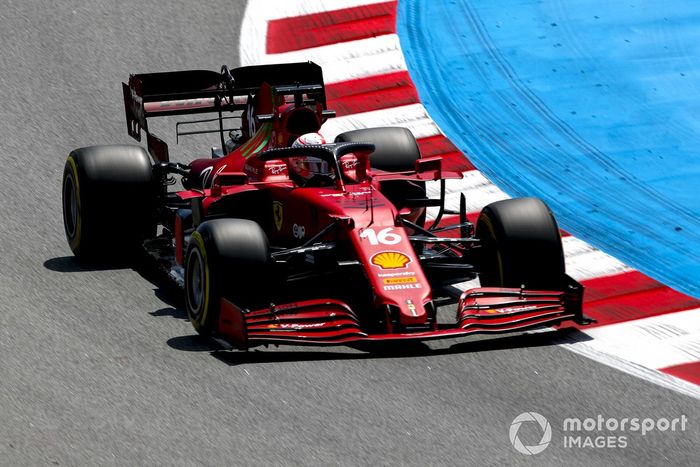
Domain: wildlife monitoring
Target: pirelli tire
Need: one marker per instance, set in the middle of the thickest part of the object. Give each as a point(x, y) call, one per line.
point(396, 151)
point(520, 245)
point(108, 197)
point(226, 258)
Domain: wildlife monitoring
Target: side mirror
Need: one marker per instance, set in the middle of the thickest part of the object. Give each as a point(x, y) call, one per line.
point(430, 165)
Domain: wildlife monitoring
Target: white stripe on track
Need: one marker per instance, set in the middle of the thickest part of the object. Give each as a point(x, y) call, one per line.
point(347, 60)
point(341, 62)
point(581, 344)
point(413, 116)
point(584, 261)
point(657, 342)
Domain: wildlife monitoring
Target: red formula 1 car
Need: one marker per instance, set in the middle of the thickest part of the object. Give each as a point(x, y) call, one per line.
point(266, 256)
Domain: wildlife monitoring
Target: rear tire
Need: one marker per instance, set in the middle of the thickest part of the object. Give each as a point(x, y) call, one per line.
point(108, 197)
point(396, 151)
point(226, 258)
point(520, 245)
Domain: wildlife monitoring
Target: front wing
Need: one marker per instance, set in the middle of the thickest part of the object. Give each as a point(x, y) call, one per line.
point(331, 322)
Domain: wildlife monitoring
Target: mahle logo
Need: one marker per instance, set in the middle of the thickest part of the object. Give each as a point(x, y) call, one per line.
point(543, 424)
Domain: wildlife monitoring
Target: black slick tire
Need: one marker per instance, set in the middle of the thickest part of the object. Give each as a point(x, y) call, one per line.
point(108, 198)
point(520, 245)
point(226, 258)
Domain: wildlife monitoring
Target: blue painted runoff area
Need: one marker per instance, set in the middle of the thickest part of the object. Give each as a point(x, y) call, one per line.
point(591, 105)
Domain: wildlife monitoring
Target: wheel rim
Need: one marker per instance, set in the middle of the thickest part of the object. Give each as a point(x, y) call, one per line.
point(195, 282)
point(70, 206)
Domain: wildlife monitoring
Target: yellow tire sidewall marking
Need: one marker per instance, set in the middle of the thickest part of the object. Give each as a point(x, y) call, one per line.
point(75, 241)
point(197, 237)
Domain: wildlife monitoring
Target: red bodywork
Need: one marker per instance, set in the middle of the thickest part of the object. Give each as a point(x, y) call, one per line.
point(370, 223)
point(330, 322)
point(402, 297)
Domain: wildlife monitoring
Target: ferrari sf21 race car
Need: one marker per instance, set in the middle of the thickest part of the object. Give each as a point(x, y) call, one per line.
point(264, 256)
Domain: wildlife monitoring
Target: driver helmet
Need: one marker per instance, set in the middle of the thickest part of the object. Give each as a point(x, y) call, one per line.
point(306, 168)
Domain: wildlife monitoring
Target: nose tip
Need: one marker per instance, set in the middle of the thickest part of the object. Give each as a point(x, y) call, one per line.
point(412, 313)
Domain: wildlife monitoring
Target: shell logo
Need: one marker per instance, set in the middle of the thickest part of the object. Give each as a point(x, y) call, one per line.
point(390, 260)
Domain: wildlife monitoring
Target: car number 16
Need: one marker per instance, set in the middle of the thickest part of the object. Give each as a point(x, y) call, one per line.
point(384, 237)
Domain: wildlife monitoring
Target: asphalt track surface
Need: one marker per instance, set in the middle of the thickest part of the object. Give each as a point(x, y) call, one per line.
point(100, 367)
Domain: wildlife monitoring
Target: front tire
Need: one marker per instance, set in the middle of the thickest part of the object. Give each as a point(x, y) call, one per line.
point(226, 258)
point(520, 245)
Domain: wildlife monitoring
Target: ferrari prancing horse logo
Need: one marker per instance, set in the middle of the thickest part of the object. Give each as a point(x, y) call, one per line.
point(277, 214)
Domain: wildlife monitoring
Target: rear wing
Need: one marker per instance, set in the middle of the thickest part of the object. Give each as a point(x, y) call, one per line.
point(203, 91)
